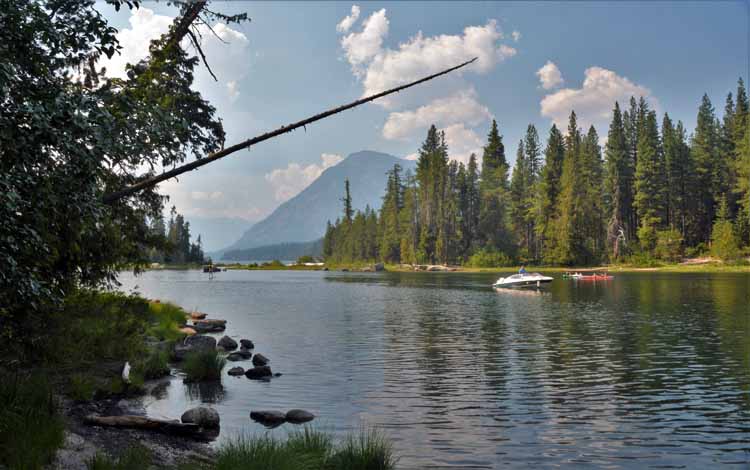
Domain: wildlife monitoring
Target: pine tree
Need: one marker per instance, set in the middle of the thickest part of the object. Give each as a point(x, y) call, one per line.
point(493, 215)
point(724, 244)
point(548, 189)
point(704, 154)
point(473, 204)
point(389, 228)
point(591, 203)
point(518, 190)
point(741, 144)
point(432, 172)
point(347, 200)
point(650, 184)
point(617, 185)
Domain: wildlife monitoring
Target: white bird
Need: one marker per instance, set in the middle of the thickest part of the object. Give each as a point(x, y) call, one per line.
point(126, 373)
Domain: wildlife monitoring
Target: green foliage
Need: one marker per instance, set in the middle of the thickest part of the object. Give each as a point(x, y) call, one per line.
point(305, 259)
point(308, 449)
point(669, 245)
point(488, 258)
point(31, 430)
point(724, 244)
point(203, 366)
point(167, 318)
point(136, 457)
point(81, 387)
point(154, 366)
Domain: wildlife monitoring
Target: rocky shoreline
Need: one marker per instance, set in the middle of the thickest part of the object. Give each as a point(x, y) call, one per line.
point(108, 425)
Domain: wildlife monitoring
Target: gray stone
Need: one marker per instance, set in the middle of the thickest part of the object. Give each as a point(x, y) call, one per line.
point(246, 353)
point(259, 373)
point(268, 417)
point(247, 344)
point(379, 267)
point(236, 371)
point(203, 416)
point(228, 343)
point(299, 416)
point(236, 356)
point(260, 360)
point(195, 343)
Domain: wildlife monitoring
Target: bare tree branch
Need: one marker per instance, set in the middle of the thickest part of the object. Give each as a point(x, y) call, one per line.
point(149, 182)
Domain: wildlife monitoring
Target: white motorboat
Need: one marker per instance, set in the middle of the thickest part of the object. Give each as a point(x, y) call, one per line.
point(523, 280)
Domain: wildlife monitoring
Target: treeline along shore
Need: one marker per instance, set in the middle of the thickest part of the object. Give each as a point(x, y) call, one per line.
point(652, 195)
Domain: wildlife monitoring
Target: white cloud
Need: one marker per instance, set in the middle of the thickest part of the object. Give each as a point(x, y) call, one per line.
point(516, 35)
point(363, 46)
point(206, 195)
point(422, 55)
point(549, 76)
point(462, 142)
point(461, 107)
point(594, 101)
point(226, 54)
point(289, 181)
point(348, 21)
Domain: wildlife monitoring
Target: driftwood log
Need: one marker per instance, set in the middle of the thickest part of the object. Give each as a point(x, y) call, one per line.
point(173, 427)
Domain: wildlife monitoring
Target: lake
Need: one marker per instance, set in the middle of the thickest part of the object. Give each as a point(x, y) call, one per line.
point(650, 370)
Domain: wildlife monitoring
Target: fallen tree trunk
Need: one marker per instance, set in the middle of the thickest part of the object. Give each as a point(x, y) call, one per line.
point(153, 181)
point(173, 427)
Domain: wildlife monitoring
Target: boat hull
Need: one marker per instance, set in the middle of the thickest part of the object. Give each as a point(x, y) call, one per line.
point(523, 283)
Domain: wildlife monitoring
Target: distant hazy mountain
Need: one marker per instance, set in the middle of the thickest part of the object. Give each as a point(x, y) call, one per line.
point(216, 232)
point(303, 218)
point(282, 251)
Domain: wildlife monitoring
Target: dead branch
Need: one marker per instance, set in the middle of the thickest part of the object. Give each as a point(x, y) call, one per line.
point(149, 182)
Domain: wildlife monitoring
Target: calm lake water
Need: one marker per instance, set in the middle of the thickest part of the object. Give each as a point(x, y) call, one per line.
point(651, 370)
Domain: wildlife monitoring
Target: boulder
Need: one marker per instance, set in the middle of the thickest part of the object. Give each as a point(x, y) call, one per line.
point(247, 344)
point(197, 316)
point(268, 418)
point(260, 360)
point(299, 416)
point(209, 327)
point(228, 343)
point(259, 373)
point(211, 321)
point(188, 331)
point(195, 343)
point(236, 371)
point(245, 353)
point(379, 267)
point(236, 356)
point(203, 416)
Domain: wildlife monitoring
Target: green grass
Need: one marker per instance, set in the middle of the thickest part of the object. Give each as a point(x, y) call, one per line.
point(154, 366)
point(134, 458)
point(81, 387)
point(167, 318)
point(31, 430)
point(308, 449)
point(203, 366)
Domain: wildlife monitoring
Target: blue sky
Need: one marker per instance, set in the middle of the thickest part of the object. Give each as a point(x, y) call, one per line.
point(292, 61)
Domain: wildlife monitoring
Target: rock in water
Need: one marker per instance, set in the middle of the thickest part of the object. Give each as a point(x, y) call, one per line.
point(258, 373)
point(299, 416)
point(228, 343)
point(203, 416)
point(268, 418)
point(237, 356)
point(194, 343)
point(247, 344)
point(245, 353)
point(236, 371)
point(260, 360)
point(197, 316)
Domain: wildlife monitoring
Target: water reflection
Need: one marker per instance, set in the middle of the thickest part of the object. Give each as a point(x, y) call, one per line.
point(647, 370)
point(205, 392)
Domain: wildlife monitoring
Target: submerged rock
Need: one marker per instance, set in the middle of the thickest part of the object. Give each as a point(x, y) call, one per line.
point(209, 326)
point(247, 344)
point(228, 343)
point(259, 373)
point(236, 371)
point(299, 416)
point(246, 353)
point(196, 343)
point(268, 418)
point(203, 416)
point(260, 360)
point(236, 356)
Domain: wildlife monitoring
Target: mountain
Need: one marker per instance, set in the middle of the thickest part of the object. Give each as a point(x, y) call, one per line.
point(282, 251)
point(303, 218)
point(216, 232)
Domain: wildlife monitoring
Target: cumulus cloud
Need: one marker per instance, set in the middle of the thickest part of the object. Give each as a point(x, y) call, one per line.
point(348, 21)
point(362, 46)
point(462, 142)
point(461, 107)
point(594, 101)
point(516, 35)
point(225, 48)
point(549, 76)
point(289, 181)
point(206, 195)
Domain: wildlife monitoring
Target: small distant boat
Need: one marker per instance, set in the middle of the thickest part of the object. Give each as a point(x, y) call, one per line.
point(210, 268)
point(523, 280)
point(588, 277)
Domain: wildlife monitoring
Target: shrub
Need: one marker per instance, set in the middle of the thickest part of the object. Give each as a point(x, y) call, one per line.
point(486, 258)
point(31, 430)
point(669, 245)
point(167, 319)
point(724, 244)
point(156, 365)
point(134, 458)
point(368, 450)
point(81, 387)
point(202, 366)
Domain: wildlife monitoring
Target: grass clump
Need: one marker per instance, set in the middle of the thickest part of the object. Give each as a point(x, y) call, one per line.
point(308, 449)
point(154, 366)
point(31, 430)
point(134, 458)
point(203, 366)
point(167, 320)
